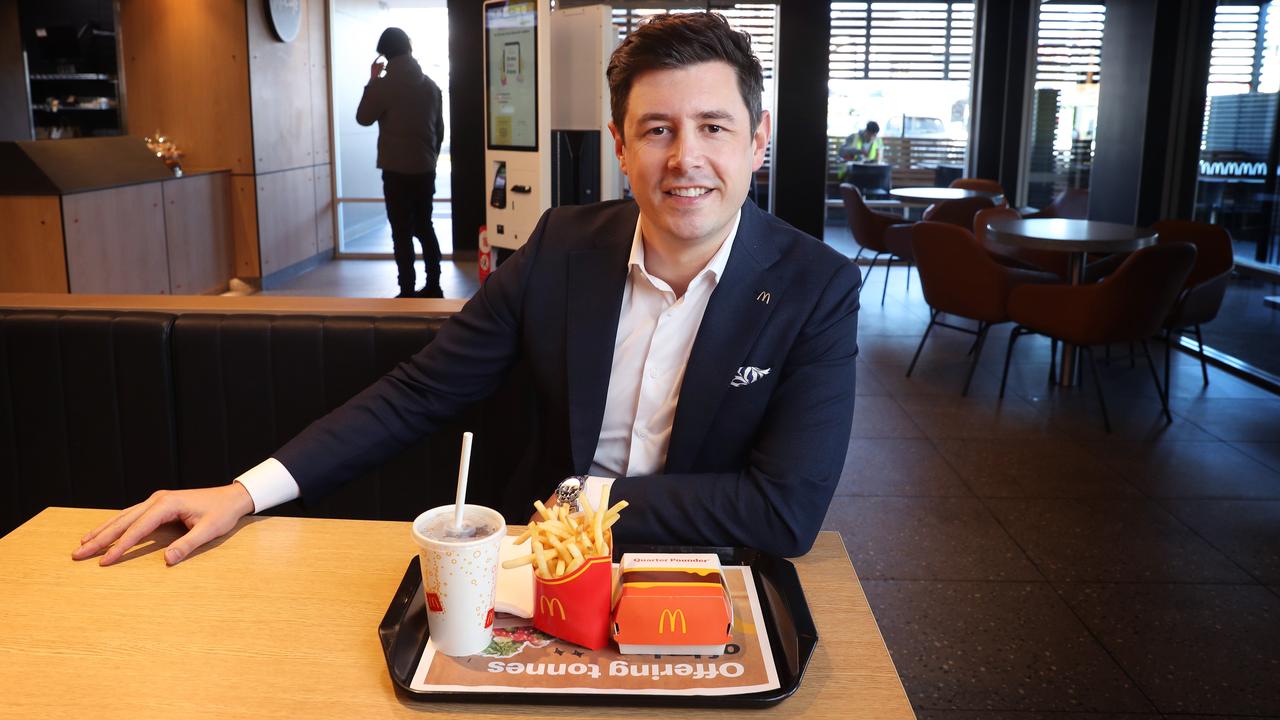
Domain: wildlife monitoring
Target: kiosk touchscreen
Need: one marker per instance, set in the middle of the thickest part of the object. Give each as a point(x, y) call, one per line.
point(517, 126)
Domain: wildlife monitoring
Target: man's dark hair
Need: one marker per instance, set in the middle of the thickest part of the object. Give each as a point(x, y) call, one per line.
point(394, 43)
point(873, 127)
point(669, 42)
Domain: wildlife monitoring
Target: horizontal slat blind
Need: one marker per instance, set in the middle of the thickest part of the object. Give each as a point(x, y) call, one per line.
point(901, 40)
point(1069, 43)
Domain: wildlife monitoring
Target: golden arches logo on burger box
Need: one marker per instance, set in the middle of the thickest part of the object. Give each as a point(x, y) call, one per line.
point(575, 607)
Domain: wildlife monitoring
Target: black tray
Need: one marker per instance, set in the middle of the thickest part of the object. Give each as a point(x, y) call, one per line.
point(792, 636)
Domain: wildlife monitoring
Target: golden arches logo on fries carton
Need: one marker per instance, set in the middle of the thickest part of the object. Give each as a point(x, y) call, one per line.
point(573, 570)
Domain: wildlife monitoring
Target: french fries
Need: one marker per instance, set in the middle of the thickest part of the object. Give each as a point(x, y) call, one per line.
point(562, 541)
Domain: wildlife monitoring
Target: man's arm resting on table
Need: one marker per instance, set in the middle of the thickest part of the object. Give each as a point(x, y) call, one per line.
point(778, 502)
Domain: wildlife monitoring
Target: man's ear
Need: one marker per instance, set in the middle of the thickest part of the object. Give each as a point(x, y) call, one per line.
point(761, 139)
point(617, 146)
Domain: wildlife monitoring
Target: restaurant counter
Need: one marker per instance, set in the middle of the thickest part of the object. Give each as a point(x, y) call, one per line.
point(104, 215)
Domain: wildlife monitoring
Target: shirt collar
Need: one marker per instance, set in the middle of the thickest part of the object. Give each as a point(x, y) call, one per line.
point(715, 265)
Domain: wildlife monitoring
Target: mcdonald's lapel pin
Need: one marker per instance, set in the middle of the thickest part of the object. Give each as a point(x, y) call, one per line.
point(765, 296)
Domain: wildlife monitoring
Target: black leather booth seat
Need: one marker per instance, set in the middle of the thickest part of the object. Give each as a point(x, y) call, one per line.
point(100, 408)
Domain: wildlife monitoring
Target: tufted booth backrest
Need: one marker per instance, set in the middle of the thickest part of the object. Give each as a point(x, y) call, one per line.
point(86, 411)
point(100, 408)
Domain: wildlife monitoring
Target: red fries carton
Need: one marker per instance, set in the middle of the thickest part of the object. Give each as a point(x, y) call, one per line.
point(576, 606)
point(672, 604)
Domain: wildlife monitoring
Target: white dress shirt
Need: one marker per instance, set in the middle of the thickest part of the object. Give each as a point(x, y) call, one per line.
point(655, 334)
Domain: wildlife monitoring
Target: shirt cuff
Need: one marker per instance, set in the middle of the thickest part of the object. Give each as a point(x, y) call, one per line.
point(269, 484)
point(593, 489)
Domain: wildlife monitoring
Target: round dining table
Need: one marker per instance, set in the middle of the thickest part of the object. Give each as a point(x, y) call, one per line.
point(929, 195)
point(1079, 238)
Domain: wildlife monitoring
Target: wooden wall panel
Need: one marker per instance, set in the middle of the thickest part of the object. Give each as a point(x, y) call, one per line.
point(115, 240)
point(197, 218)
point(324, 208)
point(32, 257)
point(318, 44)
point(186, 73)
point(280, 93)
point(286, 218)
point(244, 226)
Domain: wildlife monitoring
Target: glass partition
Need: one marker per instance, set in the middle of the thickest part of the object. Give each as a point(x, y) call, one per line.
point(907, 67)
point(357, 24)
point(1237, 184)
point(1064, 100)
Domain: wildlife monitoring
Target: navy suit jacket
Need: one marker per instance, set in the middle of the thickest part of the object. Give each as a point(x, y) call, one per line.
point(748, 464)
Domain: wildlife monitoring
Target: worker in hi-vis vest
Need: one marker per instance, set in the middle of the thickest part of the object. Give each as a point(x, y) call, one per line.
point(864, 145)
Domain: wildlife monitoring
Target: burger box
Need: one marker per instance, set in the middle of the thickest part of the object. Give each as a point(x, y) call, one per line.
point(672, 604)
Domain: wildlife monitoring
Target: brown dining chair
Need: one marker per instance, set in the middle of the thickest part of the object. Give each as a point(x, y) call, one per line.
point(1202, 294)
point(959, 278)
point(1128, 306)
point(981, 185)
point(1070, 204)
point(1010, 255)
point(956, 212)
point(876, 232)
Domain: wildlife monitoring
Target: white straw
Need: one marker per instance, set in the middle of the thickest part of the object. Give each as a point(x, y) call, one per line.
point(464, 466)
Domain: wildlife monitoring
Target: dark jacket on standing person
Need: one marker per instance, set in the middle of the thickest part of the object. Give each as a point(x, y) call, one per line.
point(408, 107)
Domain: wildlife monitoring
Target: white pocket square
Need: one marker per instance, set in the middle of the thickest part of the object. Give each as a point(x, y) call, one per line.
point(748, 375)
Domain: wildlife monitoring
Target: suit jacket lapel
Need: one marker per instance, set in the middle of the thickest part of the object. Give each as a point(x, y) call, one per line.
point(597, 277)
point(729, 328)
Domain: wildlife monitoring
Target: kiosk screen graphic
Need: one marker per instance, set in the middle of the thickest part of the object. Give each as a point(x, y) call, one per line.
point(511, 74)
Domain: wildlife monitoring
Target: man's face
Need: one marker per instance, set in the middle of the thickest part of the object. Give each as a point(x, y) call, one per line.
point(689, 152)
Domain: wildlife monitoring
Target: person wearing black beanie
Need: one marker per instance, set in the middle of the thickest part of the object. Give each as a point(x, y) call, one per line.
point(408, 107)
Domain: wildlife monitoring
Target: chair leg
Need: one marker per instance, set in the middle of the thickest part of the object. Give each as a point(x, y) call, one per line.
point(1102, 402)
point(1168, 348)
point(860, 249)
point(870, 266)
point(933, 318)
point(1053, 361)
point(1163, 392)
point(909, 264)
point(1008, 355)
point(1204, 368)
point(887, 264)
point(977, 352)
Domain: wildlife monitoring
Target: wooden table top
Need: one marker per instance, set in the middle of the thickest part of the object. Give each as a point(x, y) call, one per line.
point(939, 194)
point(1070, 235)
point(249, 304)
point(281, 620)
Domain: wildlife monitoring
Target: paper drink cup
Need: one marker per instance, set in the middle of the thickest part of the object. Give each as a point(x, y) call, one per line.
point(459, 576)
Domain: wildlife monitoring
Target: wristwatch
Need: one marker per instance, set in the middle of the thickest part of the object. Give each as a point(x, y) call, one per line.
point(569, 489)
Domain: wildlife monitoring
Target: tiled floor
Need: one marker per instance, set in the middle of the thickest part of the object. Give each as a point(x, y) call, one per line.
point(1022, 563)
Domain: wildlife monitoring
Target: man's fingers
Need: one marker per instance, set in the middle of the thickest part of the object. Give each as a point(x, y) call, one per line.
point(107, 532)
point(94, 532)
point(204, 531)
point(158, 514)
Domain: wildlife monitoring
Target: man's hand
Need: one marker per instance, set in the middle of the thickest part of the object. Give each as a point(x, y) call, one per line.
point(375, 70)
point(208, 513)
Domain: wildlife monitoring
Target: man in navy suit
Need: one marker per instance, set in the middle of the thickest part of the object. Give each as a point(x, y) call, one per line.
point(687, 349)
